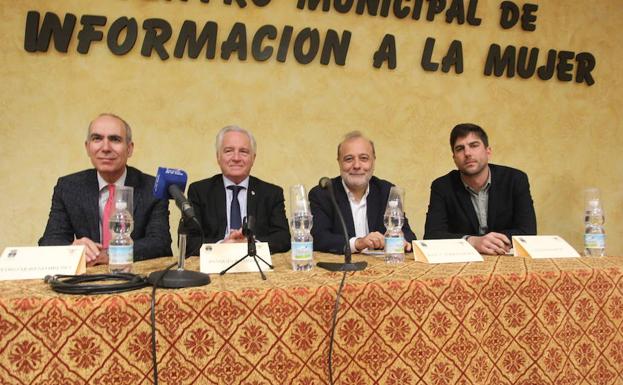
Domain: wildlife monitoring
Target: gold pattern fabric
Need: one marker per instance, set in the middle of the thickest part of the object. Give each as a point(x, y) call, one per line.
point(506, 320)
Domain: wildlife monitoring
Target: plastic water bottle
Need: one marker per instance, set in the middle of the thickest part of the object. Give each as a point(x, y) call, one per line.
point(121, 247)
point(394, 237)
point(594, 233)
point(302, 241)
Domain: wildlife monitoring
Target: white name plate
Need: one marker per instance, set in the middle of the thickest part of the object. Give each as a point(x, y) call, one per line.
point(445, 251)
point(216, 257)
point(37, 262)
point(543, 246)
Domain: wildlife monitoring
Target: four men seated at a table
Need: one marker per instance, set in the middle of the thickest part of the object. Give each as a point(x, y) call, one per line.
point(484, 203)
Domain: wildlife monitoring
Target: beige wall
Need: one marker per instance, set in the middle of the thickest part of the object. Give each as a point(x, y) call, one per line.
point(564, 135)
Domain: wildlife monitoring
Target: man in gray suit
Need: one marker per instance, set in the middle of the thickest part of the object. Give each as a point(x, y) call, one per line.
point(79, 199)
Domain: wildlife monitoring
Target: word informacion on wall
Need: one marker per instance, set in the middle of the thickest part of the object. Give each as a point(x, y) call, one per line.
point(307, 45)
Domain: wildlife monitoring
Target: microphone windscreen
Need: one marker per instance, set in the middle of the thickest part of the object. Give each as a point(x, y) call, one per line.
point(166, 177)
point(251, 222)
point(324, 182)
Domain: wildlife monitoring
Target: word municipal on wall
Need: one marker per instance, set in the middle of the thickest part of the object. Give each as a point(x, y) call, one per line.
point(307, 45)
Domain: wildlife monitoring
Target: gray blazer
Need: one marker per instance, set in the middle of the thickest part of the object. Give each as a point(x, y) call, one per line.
point(75, 213)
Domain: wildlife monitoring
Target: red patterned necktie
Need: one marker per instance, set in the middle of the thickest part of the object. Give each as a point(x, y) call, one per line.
point(108, 209)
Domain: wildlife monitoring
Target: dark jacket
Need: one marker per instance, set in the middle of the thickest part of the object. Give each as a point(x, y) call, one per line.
point(75, 213)
point(264, 201)
point(451, 213)
point(327, 230)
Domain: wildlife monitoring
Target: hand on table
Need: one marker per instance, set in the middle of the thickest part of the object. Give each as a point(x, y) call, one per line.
point(372, 241)
point(92, 250)
point(491, 243)
point(235, 236)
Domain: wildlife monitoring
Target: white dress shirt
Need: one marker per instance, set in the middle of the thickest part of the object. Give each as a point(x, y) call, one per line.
point(360, 214)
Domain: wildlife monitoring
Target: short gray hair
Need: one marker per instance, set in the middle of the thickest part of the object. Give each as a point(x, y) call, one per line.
point(128, 129)
point(354, 135)
point(226, 129)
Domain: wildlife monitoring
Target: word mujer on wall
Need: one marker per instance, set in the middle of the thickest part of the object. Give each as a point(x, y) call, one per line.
point(307, 45)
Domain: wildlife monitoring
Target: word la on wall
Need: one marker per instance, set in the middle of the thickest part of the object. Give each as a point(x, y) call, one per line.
point(510, 60)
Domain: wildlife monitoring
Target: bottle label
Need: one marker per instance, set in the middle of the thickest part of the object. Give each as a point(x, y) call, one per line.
point(394, 245)
point(302, 250)
point(120, 255)
point(595, 241)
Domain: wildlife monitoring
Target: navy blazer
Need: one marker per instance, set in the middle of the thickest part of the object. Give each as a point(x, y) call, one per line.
point(327, 229)
point(264, 201)
point(75, 213)
point(451, 213)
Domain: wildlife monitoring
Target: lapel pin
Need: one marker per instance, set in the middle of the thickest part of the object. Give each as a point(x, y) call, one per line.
point(252, 192)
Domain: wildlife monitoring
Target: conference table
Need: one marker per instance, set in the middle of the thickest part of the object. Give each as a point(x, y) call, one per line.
point(507, 320)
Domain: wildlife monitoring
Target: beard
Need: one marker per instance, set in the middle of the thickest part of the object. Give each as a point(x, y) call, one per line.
point(356, 182)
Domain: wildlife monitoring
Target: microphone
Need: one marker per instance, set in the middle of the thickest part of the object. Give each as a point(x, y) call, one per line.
point(326, 184)
point(170, 184)
point(248, 230)
point(248, 226)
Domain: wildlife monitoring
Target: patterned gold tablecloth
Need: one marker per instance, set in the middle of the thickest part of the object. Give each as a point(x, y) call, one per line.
point(506, 320)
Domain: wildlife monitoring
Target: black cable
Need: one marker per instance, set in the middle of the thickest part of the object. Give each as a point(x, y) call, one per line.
point(152, 316)
point(335, 311)
point(153, 320)
point(81, 284)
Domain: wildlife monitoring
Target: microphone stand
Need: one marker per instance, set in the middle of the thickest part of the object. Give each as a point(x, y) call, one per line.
point(179, 278)
point(251, 251)
point(348, 264)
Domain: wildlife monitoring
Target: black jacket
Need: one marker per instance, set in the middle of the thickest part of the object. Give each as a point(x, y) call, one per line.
point(327, 230)
point(264, 201)
point(451, 213)
point(75, 213)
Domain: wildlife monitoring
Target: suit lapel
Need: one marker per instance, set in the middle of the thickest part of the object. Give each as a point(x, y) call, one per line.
point(251, 201)
point(466, 203)
point(92, 206)
point(344, 205)
point(221, 204)
point(132, 180)
point(373, 207)
point(492, 202)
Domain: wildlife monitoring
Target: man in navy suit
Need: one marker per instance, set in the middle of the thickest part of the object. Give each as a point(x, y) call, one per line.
point(79, 199)
point(484, 203)
point(222, 201)
point(361, 197)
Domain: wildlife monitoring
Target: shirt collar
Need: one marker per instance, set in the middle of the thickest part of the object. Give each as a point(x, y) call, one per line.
point(228, 182)
point(483, 189)
point(119, 182)
point(351, 196)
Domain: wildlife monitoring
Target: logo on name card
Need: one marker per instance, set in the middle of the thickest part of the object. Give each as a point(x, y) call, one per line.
point(208, 248)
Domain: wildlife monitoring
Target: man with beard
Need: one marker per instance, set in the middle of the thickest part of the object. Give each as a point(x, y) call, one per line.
point(486, 204)
point(361, 197)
